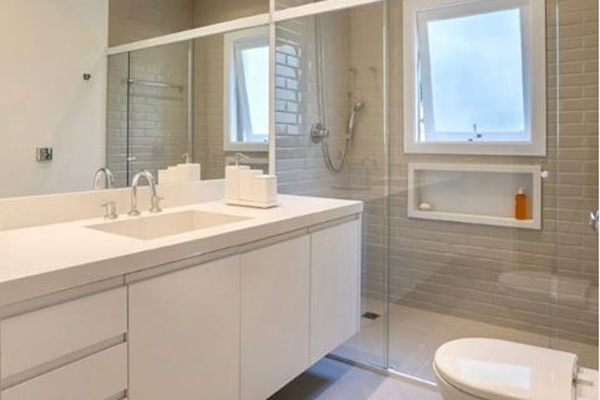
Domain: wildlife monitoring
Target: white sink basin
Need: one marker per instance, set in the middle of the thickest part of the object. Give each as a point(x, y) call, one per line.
point(158, 226)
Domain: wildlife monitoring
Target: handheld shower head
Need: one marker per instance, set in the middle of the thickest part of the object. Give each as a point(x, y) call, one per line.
point(356, 108)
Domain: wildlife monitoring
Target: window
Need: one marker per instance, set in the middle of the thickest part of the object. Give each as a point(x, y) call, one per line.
point(470, 86)
point(247, 90)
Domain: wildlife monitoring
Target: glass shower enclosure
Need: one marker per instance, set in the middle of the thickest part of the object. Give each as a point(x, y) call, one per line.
point(443, 255)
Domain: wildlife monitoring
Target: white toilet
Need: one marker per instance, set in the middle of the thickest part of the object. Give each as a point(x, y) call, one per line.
point(489, 369)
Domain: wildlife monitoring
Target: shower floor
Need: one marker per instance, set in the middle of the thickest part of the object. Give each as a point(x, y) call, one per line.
point(415, 334)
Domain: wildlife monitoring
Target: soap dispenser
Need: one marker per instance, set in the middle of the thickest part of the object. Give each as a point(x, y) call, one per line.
point(188, 171)
point(232, 178)
point(521, 205)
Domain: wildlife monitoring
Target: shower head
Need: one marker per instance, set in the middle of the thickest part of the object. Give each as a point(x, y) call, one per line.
point(358, 106)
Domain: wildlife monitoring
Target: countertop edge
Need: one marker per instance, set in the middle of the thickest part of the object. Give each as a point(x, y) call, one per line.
point(35, 286)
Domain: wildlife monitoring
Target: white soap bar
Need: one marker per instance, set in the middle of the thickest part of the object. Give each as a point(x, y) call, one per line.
point(264, 189)
point(246, 183)
point(189, 172)
point(425, 207)
point(232, 181)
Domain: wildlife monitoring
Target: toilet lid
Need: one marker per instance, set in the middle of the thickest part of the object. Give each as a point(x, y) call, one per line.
point(500, 370)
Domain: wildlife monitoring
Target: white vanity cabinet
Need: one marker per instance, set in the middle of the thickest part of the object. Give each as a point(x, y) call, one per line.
point(275, 316)
point(244, 326)
point(335, 286)
point(184, 334)
point(237, 323)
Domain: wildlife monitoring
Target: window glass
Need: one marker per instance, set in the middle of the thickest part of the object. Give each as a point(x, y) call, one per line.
point(477, 73)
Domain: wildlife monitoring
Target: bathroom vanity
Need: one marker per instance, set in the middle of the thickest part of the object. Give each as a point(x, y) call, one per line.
point(214, 302)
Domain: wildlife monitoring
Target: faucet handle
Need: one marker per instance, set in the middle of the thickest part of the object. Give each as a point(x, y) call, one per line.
point(110, 210)
point(155, 208)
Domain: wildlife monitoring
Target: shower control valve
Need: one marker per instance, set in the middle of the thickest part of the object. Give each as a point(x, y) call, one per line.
point(318, 132)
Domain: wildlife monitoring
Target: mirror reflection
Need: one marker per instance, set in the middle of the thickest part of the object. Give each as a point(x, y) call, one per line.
point(134, 20)
point(182, 111)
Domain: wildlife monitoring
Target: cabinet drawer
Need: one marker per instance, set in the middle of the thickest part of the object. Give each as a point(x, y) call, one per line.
point(38, 337)
point(97, 377)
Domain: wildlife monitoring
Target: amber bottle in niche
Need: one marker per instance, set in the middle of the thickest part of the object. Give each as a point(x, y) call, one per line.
point(521, 205)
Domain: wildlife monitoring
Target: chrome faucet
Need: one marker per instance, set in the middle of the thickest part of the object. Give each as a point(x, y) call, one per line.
point(109, 179)
point(154, 200)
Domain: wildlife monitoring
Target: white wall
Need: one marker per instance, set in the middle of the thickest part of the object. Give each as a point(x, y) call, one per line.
point(46, 47)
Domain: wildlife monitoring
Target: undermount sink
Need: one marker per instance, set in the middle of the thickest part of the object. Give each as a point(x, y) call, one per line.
point(158, 226)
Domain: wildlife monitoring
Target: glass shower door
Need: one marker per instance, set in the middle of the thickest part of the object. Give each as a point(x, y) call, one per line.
point(331, 139)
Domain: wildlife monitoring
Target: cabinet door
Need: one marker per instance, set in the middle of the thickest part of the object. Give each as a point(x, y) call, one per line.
point(184, 332)
point(335, 281)
point(275, 316)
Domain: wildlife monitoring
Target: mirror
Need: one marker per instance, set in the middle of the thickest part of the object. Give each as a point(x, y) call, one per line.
point(67, 109)
point(134, 20)
point(199, 101)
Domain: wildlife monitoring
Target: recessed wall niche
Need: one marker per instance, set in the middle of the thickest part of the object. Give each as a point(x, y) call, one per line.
point(474, 194)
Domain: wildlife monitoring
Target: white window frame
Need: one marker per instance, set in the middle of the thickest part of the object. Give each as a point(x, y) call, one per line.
point(251, 36)
point(534, 64)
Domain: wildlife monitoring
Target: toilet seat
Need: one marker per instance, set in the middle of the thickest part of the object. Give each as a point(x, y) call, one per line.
point(493, 369)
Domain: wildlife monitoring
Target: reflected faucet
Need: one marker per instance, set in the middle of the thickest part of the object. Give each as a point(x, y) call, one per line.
point(109, 179)
point(154, 200)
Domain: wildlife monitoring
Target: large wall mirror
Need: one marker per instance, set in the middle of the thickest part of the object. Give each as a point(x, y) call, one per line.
point(73, 109)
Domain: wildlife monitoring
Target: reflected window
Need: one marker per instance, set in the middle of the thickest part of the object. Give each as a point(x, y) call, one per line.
point(472, 77)
point(247, 90)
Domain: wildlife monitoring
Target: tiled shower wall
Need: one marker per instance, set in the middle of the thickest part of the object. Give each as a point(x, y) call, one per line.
point(300, 166)
point(455, 268)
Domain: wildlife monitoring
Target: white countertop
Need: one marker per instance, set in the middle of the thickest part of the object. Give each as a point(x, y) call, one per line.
point(45, 259)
